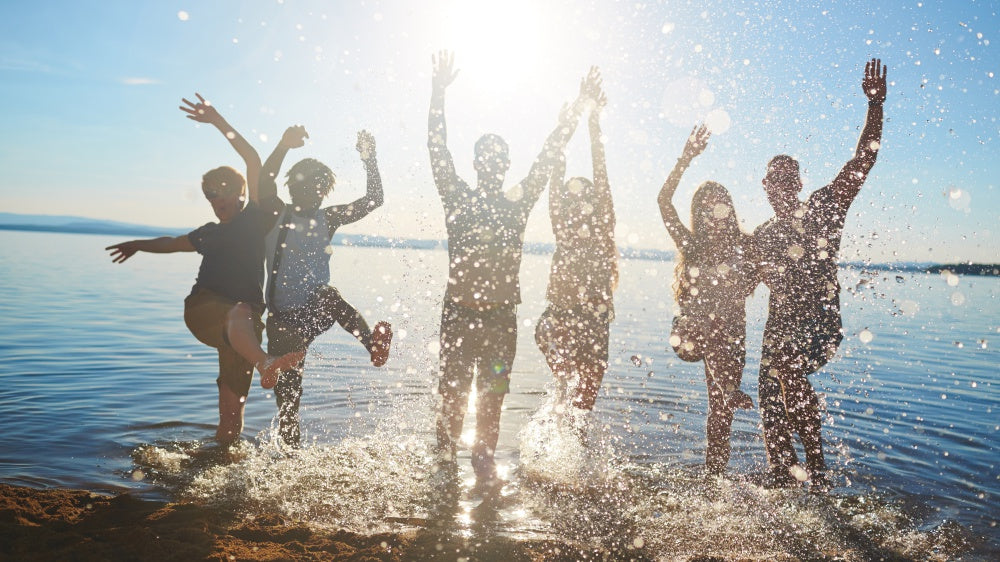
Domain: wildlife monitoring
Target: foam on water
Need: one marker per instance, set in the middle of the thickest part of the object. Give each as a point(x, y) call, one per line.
point(564, 446)
point(570, 485)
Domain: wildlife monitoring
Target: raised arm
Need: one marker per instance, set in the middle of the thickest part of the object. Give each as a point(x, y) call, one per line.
point(162, 245)
point(854, 173)
point(442, 164)
point(533, 185)
point(373, 198)
point(602, 189)
point(695, 145)
point(557, 185)
point(205, 112)
point(294, 137)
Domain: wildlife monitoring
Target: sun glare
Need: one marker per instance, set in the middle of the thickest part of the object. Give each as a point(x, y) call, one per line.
point(496, 40)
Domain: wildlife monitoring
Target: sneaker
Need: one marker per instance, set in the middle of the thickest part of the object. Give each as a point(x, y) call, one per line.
point(381, 339)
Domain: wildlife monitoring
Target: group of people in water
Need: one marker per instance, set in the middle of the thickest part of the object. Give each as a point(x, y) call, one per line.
point(794, 253)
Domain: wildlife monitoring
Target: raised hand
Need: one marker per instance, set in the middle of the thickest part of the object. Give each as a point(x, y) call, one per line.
point(591, 84)
point(444, 73)
point(874, 81)
point(600, 102)
point(202, 112)
point(294, 137)
point(697, 141)
point(366, 145)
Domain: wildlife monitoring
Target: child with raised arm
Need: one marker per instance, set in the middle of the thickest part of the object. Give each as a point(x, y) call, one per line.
point(715, 274)
point(573, 331)
point(225, 305)
point(301, 303)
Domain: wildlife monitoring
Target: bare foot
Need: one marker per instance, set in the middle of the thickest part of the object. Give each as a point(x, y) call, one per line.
point(271, 367)
point(381, 339)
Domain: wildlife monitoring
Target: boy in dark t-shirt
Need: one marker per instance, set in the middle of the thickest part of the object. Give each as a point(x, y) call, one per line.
point(225, 305)
point(797, 249)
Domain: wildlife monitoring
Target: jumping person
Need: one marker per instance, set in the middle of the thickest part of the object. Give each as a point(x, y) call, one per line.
point(485, 229)
point(573, 331)
point(797, 249)
point(225, 305)
point(301, 303)
point(714, 276)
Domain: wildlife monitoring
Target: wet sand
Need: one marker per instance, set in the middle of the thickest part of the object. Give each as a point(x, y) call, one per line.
point(80, 525)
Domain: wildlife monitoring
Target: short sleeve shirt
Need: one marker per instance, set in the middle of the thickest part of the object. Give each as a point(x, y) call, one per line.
point(232, 263)
point(798, 263)
point(485, 241)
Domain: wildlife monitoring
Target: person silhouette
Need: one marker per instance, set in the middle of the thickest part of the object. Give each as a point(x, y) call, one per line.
point(715, 274)
point(226, 303)
point(485, 228)
point(300, 301)
point(573, 331)
point(797, 252)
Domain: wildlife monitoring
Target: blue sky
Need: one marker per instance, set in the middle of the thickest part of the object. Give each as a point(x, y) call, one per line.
point(90, 91)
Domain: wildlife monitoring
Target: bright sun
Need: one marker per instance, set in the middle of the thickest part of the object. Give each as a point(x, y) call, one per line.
point(496, 39)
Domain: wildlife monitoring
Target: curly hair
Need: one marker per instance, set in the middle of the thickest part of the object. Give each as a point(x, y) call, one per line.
point(309, 174)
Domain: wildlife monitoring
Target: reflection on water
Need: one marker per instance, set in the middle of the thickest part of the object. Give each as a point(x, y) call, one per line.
point(104, 389)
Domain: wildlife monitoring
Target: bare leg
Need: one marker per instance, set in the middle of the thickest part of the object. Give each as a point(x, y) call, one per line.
point(231, 407)
point(488, 405)
point(802, 404)
point(777, 432)
point(449, 421)
point(243, 338)
point(723, 373)
point(718, 427)
point(591, 376)
point(287, 393)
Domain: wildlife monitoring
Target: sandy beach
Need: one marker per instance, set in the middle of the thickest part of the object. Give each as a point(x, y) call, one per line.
point(80, 525)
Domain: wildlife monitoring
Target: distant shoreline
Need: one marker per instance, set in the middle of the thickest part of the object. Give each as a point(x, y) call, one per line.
point(536, 248)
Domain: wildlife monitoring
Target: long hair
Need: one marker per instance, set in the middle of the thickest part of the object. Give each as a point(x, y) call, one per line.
point(715, 234)
point(577, 205)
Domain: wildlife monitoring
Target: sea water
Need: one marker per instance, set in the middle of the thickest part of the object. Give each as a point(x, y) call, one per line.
point(103, 388)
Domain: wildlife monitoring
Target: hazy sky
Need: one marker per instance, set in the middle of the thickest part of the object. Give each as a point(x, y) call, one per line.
point(90, 90)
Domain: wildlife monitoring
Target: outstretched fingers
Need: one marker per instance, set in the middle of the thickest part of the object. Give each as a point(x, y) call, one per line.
point(444, 67)
point(366, 144)
point(874, 83)
point(197, 111)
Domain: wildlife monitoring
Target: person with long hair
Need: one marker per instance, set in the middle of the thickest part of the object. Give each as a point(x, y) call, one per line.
point(714, 276)
point(573, 332)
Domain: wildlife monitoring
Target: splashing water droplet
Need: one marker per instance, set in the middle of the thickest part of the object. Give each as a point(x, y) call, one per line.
point(799, 473)
point(866, 336)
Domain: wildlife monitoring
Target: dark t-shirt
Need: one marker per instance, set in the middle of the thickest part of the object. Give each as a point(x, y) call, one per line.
point(798, 263)
point(485, 240)
point(232, 262)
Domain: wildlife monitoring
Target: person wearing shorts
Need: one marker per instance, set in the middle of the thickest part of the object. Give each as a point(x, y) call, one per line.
point(797, 252)
point(224, 308)
point(485, 230)
point(301, 302)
